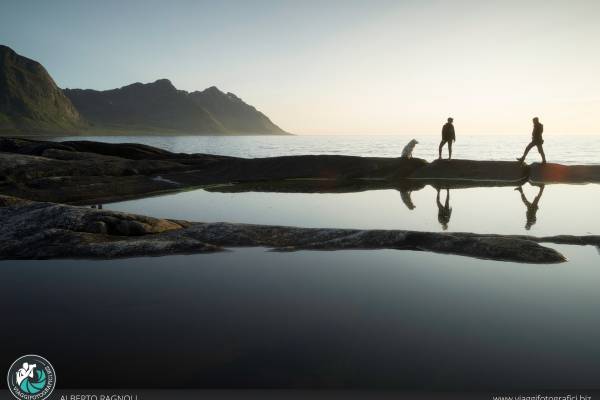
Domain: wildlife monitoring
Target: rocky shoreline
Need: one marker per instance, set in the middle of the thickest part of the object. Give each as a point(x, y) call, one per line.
point(44, 230)
point(86, 172)
point(37, 177)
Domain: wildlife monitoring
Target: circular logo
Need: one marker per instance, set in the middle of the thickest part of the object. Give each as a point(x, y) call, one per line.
point(31, 377)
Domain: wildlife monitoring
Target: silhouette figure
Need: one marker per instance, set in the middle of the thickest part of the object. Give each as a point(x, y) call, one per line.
point(532, 207)
point(448, 136)
point(444, 211)
point(408, 149)
point(536, 140)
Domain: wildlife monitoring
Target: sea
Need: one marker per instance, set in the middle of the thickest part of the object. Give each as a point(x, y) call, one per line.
point(357, 319)
point(564, 148)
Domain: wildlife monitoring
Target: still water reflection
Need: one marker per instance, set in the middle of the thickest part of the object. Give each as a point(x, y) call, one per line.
point(361, 319)
point(565, 209)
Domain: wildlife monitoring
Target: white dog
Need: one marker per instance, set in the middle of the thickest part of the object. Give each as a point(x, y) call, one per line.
point(408, 149)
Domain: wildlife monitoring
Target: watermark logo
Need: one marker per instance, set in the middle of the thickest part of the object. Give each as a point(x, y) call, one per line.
point(31, 377)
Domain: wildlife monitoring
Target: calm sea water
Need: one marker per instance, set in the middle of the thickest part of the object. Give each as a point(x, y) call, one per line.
point(362, 319)
point(565, 149)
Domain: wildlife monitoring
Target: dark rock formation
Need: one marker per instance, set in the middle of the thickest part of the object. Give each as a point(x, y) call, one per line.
point(468, 170)
point(88, 171)
point(33, 230)
point(30, 101)
point(557, 173)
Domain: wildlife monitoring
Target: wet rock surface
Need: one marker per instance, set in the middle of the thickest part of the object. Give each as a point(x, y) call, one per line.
point(43, 230)
point(557, 173)
point(49, 173)
point(89, 172)
point(85, 171)
point(469, 170)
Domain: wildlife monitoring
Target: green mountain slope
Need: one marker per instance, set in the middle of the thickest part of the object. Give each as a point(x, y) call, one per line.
point(30, 101)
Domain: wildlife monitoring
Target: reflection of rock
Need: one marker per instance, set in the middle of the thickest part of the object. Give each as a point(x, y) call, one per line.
point(33, 230)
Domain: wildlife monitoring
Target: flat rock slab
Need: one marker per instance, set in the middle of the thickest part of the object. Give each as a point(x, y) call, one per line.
point(41, 230)
point(469, 170)
point(557, 173)
point(94, 172)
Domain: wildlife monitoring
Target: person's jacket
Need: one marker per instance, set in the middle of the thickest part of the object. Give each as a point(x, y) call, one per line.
point(448, 132)
point(536, 135)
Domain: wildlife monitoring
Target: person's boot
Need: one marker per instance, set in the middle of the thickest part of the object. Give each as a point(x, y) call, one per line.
point(520, 159)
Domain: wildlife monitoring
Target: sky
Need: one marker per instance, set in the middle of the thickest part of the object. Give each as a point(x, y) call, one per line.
point(337, 67)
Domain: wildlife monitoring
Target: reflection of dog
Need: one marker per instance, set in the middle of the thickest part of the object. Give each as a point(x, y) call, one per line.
point(405, 196)
point(408, 149)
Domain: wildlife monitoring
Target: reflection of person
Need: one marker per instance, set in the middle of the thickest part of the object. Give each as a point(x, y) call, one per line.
point(448, 136)
point(444, 211)
point(532, 207)
point(26, 371)
point(536, 140)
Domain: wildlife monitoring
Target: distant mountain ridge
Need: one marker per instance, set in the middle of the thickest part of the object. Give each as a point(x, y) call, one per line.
point(159, 106)
point(30, 102)
point(233, 112)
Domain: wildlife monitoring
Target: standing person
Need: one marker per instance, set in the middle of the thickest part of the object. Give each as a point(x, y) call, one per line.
point(448, 136)
point(536, 140)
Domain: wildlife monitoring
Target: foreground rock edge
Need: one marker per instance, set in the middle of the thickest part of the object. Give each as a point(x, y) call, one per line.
point(43, 230)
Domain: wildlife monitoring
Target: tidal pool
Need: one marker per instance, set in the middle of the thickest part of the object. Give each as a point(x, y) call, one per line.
point(360, 319)
point(551, 210)
point(250, 317)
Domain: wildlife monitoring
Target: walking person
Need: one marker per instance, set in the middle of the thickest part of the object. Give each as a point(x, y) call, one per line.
point(448, 136)
point(536, 140)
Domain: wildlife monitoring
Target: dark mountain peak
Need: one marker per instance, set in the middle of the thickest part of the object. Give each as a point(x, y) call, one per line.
point(211, 91)
point(163, 85)
point(233, 96)
point(10, 57)
point(6, 50)
point(30, 101)
point(233, 112)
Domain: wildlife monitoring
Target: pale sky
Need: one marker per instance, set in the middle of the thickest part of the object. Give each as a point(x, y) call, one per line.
point(328, 67)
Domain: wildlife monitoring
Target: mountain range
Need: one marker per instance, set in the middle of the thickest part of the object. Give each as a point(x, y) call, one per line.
point(32, 103)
